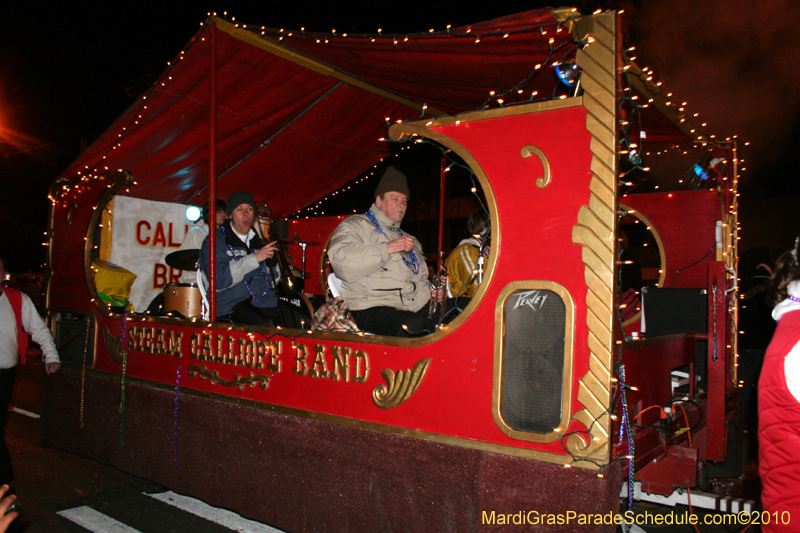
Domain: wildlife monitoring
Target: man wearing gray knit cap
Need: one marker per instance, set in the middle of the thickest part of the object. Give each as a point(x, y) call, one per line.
point(382, 268)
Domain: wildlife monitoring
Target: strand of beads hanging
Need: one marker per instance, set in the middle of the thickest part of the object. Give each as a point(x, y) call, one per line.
point(626, 427)
point(122, 343)
point(412, 264)
point(83, 371)
point(177, 391)
point(263, 272)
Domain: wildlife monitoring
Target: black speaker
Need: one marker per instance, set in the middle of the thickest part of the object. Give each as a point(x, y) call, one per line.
point(670, 311)
point(533, 360)
point(71, 338)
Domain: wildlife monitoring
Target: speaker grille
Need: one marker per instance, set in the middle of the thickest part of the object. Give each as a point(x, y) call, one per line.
point(70, 337)
point(533, 360)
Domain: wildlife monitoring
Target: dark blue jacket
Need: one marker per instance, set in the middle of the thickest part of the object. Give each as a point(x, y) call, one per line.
point(239, 274)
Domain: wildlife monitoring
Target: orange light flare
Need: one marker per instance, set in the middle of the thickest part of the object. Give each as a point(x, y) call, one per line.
point(11, 140)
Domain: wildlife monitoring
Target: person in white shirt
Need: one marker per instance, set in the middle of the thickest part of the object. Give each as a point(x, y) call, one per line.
point(194, 237)
point(18, 318)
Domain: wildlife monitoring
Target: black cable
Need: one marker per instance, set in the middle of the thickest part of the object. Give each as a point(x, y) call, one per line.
point(690, 266)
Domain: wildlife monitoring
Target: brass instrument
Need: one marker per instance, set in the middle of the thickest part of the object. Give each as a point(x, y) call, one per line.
point(289, 282)
point(438, 284)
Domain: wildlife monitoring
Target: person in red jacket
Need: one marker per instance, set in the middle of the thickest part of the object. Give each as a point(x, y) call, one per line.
point(18, 317)
point(779, 402)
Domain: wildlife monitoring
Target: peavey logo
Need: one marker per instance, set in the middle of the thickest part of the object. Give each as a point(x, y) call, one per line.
point(532, 299)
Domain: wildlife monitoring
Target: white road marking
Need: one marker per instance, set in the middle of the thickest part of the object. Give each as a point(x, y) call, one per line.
point(222, 517)
point(26, 413)
point(88, 518)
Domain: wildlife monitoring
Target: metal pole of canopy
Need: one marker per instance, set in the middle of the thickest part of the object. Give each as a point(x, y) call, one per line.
point(212, 180)
point(441, 214)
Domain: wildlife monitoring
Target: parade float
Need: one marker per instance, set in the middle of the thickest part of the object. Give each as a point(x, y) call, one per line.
point(597, 359)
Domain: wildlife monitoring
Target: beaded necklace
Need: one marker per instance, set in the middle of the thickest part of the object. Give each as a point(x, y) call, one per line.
point(413, 264)
point(246, 284)
point(794, 298)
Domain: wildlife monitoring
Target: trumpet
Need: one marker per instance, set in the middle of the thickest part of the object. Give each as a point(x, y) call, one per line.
point(288, 281)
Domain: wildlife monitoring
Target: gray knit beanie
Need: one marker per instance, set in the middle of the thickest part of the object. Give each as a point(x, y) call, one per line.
point(392, 181)
point(238, 198)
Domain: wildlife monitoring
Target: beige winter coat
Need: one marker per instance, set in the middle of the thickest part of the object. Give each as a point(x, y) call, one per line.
point(370, 276)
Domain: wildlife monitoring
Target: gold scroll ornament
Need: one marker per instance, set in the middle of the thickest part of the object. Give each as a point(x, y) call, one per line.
point(237, 381)
point(399, 386)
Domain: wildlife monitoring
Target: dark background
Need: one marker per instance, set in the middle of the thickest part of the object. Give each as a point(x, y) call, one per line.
point(67, 72)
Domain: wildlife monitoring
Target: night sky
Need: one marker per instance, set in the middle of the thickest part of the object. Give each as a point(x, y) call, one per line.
point(67, 72)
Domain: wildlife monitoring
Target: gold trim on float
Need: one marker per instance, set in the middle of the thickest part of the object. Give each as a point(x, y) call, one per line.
point(399, 386)
point(566, 15)
point(530, 150)
point(499, 350)
point(317, 66)
point(497, 112)
point(113, 347)
point(238, 381)
point(661, 254)
point(107, 220)
point(400, 132)
point(119, 179)
point(596, 232)
point(69, 212)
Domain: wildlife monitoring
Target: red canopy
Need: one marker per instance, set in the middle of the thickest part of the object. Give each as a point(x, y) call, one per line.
point(301, 114)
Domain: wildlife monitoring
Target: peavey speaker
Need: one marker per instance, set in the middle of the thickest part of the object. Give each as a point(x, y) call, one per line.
point(533, 360)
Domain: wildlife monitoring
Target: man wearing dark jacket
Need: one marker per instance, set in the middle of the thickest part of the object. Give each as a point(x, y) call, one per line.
point(246, 270)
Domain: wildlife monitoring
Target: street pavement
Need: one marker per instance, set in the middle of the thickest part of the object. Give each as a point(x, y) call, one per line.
point(63, 492)
point(60, 491)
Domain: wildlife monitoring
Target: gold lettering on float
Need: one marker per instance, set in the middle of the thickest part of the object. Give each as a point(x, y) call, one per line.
point(246, 353)
point(230, 357)
point(141, 337)
point(144, 339)
point(250, 353)
point(133, 342)
point(274, 364)
point(341, 362)
point(300, 366)
point(362, 366)
point(173, 343)
point(262, 351)
point(150, 340)
point(347, 365)
point(194, 345)
point(207, 349)
point(232, 351)
point(319, 369)
point(160, 347)
point(219, 358)
point(156, 341)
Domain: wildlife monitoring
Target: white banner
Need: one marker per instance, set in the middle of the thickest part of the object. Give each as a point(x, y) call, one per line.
point(144, 232)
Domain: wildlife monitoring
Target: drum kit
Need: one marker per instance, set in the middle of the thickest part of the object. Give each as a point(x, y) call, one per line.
point(185, 298)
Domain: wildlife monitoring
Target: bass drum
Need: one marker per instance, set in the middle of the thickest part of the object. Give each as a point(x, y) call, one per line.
point(183, 298)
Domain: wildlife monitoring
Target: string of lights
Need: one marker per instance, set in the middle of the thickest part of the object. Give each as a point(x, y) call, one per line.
point(70, 190)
